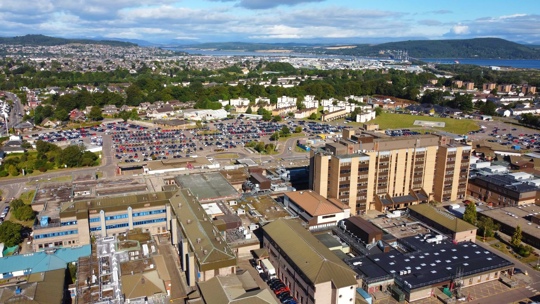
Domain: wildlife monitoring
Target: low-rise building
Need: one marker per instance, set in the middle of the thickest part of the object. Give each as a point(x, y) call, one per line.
point(502, 190)
point(457, 229)
point(315, 210)
point(234, 289)
point(312, 272)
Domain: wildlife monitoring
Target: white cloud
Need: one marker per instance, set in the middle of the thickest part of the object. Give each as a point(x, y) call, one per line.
point(460, 29)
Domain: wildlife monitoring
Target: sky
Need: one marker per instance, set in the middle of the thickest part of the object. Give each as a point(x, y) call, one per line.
point(312, 21)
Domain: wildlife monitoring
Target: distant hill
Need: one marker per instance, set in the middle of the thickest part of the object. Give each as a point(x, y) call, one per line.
point(42, 40)
point(465, 48)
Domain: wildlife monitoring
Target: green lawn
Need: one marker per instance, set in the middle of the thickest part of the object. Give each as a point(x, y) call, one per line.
point(28, 196)
point(399, 121)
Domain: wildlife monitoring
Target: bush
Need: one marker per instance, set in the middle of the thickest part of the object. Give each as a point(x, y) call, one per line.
point(524, 250)
point(3, 173)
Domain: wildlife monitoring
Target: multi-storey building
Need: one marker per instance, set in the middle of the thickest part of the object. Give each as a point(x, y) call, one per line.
point(489, 86)
point(202, 249)
point(312, 272)
point(374, 171)
point(451, 172)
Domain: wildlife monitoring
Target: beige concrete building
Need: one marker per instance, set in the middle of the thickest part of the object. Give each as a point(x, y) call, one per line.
point(458, 229)
point(312, 272)
point(489, 86)
point(373, 171)
point(315, 210)
point(451, 175)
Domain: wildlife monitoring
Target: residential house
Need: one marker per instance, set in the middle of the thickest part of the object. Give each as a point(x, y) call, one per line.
point(110, 110)
point(77, 115)
point(23, 127)
point(48, 123)
point(166, 111)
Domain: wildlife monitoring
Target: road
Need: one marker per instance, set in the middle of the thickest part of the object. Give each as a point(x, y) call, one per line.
point(12, 188)
point(14, 117)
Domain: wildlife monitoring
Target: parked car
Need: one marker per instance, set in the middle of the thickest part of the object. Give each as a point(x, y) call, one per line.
point(259, 269)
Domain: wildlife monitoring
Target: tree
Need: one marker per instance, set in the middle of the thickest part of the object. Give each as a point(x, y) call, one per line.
point(249, 110)
point(313, 116)
point(95, 113)
point(487, 226)
point(10, 233)
point(469, 215)
point(489, 108)
point(276, 118)
point(274, 136)
point(124, 115)
point(378, 111)
point(24, 213)
point(516, 237)
point(298, 129)
point(71, 156)
point(285, 131)
point(61, 115)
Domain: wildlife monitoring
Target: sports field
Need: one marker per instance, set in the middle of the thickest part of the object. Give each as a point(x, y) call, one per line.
point(400, 121)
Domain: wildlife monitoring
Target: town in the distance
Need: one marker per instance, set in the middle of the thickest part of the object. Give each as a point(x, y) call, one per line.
point(148, 175)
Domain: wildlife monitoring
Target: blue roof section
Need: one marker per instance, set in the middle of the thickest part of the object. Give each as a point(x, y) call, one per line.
point(42, 261)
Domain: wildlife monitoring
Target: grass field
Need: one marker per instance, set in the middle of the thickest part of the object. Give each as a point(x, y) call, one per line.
point(226, 155)
point(399, 121)
point(28, 196)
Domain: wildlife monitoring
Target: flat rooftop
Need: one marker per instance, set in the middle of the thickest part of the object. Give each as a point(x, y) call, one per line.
point(430, 264)
point(207, 187)
point(508, 182)
point(514, 216)
point(51, 196)
point(400, 227)
point(178, 163)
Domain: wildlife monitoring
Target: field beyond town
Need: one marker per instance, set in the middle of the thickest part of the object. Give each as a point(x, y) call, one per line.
point(400, 121)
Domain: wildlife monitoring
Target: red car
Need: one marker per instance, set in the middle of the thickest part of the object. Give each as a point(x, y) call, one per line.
point(281, 290)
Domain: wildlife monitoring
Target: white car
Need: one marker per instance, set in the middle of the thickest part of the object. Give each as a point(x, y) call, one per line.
point(259, 269)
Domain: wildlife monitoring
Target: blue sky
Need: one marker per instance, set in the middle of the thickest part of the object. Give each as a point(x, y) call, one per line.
point(339, 21)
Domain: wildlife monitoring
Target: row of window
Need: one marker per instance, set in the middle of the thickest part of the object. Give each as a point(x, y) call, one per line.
point(149, 212)
point(69, 223)
point(123, 225)
point(55, 234)
point(124, 216)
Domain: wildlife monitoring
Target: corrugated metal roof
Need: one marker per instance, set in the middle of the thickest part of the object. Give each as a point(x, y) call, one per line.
point(312, 258)
point(41, 261)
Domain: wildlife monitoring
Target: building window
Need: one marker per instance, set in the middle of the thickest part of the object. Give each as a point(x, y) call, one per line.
point(144, 213)
point(116, 217)
point(55, 234)
point(121, 225)
point(149, 221)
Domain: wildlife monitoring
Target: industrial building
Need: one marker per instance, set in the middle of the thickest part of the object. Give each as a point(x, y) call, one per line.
point(374, 171)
